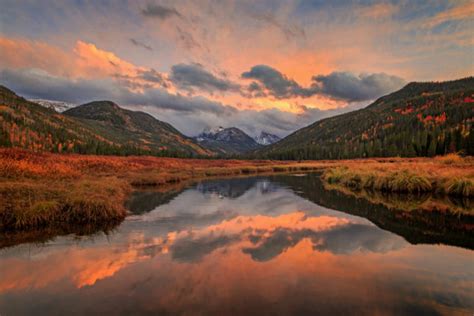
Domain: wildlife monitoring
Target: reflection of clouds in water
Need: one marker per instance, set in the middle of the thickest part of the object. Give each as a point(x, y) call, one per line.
point(254, 216)
point(342, 240)
point(208, 251)
point(252, 196)
point(264, 238)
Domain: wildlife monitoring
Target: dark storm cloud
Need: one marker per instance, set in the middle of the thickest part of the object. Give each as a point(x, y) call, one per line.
point(347, 86)
point(141, 44)
point(159, 11)
point(195, 76)
point(336, 85)
point(277, 84)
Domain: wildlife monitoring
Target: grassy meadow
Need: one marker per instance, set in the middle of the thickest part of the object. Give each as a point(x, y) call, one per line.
point(46, 190)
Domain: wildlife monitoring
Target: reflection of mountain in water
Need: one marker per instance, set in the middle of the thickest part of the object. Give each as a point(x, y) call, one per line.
point(234, 188)
point(416, 226)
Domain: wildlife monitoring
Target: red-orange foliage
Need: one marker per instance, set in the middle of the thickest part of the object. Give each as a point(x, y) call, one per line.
point(18, 162)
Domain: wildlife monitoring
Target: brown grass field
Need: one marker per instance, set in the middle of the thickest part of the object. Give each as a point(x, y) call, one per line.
point(44, 190)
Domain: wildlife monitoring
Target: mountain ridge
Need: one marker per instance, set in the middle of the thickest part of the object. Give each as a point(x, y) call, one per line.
point(99, 127)
point(421, 119)
point(227, 141)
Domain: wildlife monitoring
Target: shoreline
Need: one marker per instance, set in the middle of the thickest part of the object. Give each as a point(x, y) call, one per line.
point(44, 190)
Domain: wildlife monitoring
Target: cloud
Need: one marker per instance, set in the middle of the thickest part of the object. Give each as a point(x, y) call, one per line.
point(195, 76)
point(141, 44)
point(290, 30)
point(159, 11)
point(350, 87)
point(189, 114)
point(460, 12)
point(378, 10)
point(186, 39)
point(23, 53)
point(276, 83)
point(39, 84)
point(336, 85)
point(36, 83)
point(151, 75)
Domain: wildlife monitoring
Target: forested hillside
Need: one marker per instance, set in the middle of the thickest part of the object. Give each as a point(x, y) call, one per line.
point(95, 128)
point(421, 119)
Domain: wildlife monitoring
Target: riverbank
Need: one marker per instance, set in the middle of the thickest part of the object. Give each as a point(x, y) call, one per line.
point(46, 190)
point(448, 175)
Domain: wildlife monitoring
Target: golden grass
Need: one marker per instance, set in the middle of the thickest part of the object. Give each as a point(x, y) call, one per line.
point(409, 202)
point(43, 189)
point(453, 175)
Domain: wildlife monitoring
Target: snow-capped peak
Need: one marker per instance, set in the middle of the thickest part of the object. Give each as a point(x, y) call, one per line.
point(58, 106)
point(266, 138)
point(212, 131)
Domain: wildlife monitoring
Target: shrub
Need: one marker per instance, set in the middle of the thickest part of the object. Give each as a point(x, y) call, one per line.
point(461, 187)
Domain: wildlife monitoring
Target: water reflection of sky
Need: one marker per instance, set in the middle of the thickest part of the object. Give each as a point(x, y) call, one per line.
point(241, 246)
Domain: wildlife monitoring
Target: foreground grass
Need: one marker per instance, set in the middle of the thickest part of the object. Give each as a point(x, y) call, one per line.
point(44, 190)
point(47, 190)
point(449, 175)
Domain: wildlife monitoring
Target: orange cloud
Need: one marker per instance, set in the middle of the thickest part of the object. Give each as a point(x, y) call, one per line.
point(97, 62)
point(23, 53)
point(85, 60)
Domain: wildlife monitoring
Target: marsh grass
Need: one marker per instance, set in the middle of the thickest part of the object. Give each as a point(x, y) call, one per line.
point(461, 187)
point(452, 180)
point(408, 202)
point(52, 190)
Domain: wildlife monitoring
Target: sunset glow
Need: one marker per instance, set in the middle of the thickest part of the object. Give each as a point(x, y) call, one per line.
point(209, 58)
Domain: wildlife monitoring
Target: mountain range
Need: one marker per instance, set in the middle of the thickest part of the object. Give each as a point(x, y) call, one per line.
point(227, 141)
point(421, 119)
point(100, 127)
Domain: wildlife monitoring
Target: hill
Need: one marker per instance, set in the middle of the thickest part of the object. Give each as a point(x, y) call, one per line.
point(94, 128)
point(227, 141)
point(421, 119)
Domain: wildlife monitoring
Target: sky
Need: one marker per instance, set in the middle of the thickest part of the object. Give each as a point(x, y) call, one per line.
point(265, 65)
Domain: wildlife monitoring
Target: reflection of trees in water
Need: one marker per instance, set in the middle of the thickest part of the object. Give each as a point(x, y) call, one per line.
point(409, 201)
point(46, 234)
point(234, 188)
point(415, 225)
point(145, 201)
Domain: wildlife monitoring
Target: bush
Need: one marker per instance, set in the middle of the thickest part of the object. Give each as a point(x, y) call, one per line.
point(461, 187)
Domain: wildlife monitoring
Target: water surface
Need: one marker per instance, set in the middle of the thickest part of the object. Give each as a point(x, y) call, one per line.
point(273, 245)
